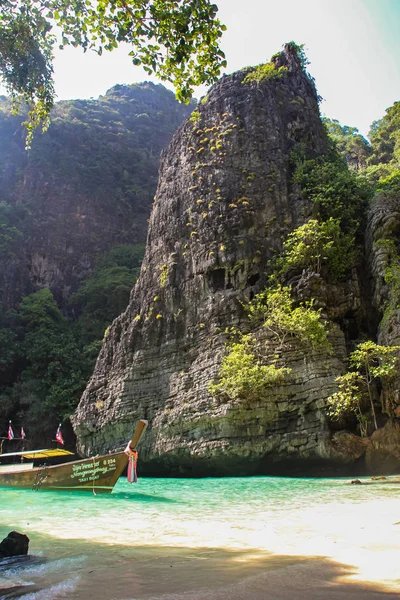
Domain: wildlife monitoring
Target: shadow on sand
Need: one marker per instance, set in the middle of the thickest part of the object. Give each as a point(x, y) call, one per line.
point(114, 572)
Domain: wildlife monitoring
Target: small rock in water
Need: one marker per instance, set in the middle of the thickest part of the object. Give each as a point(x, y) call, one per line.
point(15, 544)
point(356, 481)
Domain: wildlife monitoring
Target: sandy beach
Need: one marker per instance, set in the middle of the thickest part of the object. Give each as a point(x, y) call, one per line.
point(207, 574)
point(247, 539)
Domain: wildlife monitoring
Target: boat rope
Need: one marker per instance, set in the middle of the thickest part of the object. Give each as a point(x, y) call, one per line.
point(93, 477)
point(41, 476)
point(132, 455)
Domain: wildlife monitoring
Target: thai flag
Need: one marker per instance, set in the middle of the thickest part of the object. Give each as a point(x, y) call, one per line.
point(10, 434)
point(22, 433)
point(59, 436)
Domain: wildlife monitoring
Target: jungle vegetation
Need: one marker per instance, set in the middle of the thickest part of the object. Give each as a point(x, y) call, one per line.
point(48, 346)
point(99, 157)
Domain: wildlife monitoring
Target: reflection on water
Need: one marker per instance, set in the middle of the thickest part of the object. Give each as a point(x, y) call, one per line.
point(196, 538)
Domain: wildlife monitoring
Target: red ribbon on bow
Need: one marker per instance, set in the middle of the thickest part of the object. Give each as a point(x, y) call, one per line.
point(132, 463)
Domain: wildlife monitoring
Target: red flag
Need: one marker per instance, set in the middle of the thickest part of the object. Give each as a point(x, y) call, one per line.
point(10, 434)
point(22, 433)
point(59, 436)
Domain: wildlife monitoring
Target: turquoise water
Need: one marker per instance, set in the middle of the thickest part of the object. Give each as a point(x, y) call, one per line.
point(180, 538)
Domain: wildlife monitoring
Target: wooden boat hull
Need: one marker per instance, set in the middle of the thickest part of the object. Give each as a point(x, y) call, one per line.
point(98, 474)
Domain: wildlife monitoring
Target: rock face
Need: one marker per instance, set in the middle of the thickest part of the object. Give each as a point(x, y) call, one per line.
point(384, 258)
point(383, 452)
point(225, 199)
point(84, 187)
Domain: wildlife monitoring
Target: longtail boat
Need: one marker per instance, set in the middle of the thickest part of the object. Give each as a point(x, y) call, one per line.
point(98, 474)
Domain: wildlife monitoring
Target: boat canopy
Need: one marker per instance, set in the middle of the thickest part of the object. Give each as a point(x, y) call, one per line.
point(32, 454)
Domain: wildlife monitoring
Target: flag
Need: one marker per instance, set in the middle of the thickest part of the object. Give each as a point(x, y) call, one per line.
point(59, 436)
point(10, 434)
point(22, 433)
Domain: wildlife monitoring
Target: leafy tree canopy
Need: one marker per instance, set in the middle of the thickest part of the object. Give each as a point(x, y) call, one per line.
point(314, 245)
point(385, 137)
point(275, 306)
point(105, 295)
point(178, 40)
point(47, 357)
point(328, 183)
point(247, 370)
point(242, 374)
point(384, 163)
point(354, 148)
point(369, 362)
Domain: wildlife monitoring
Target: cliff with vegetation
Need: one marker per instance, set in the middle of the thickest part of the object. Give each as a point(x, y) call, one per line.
point(85, 186)
point(73, 222)
point(382, 246)
point(253, 291)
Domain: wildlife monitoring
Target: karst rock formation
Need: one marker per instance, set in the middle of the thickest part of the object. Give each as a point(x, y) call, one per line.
point(225, 200)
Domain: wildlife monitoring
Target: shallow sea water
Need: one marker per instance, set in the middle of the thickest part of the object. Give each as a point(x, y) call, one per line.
point(218, 539)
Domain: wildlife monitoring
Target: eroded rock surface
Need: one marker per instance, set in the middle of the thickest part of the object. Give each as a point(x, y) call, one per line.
point(225, 199)
point(384, 258)
point(383, 452)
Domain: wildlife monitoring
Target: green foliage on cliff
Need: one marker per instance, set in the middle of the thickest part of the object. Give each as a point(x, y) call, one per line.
point(336, 192)
point(274, 70)
point(285, 321)
point(106, 149)
point(368, 363)
point(348, 399)
point(389, 184)
point(105, 295)
point(11, 332)
point(247, 371)
point(264, 72)
point(383, 172)
point(383, 164)
point(385, 138)
point(178, 40)
point(378, 170)
point(317, 245)
point(377, 160)
point(111, 145)
point(352, 146)
point(242, 374)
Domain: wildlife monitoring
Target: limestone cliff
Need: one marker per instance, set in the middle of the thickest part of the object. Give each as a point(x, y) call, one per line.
point(384, 258)
point(225, 199)
point(86, 185)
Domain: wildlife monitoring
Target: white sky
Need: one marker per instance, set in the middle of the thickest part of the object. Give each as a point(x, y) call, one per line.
point(353, 47)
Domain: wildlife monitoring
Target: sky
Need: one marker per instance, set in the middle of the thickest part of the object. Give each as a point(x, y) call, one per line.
point(353, 47)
